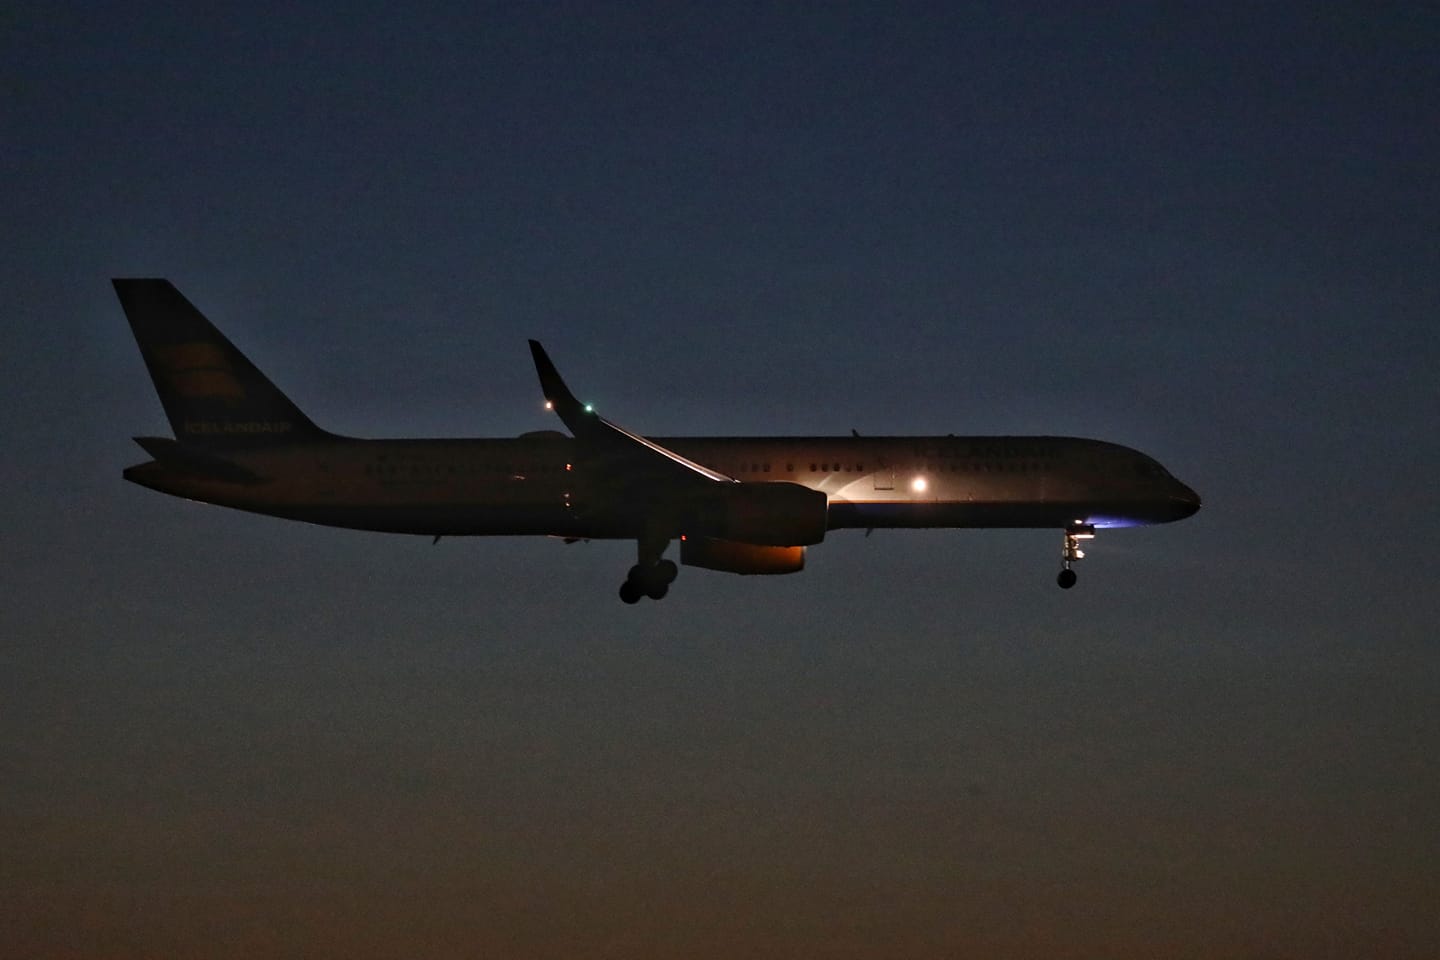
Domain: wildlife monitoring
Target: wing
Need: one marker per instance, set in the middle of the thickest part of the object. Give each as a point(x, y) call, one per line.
point(633, 480)
point(611, 446)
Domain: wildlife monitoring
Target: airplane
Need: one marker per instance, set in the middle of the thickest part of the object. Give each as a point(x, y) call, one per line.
point(744, 505)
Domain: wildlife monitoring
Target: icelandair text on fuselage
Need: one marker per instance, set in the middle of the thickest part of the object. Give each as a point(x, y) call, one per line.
point(238, 426)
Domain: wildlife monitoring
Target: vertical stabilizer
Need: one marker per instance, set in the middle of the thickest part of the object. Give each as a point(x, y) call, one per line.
point(215, 397)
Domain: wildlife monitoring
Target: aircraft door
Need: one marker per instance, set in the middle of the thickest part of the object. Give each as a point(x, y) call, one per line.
point(884, 477)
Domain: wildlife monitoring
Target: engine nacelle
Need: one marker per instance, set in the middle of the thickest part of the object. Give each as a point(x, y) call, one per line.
point(778, 514)
point(732, 557)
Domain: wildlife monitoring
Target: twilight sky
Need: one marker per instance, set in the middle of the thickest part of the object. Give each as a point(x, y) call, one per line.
point(1209, 231)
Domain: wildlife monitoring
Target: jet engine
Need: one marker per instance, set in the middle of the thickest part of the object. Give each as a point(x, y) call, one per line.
point(778, 514)
point(731, 557)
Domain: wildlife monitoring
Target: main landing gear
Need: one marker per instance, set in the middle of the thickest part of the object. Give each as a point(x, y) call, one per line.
point(652, 575)
point(651, 581)
point(1071, 552)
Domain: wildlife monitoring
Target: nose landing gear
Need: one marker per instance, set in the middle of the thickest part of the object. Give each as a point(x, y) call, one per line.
point(1071, 552)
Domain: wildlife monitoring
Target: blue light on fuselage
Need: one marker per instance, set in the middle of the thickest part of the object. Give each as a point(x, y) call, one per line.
point(1115, 523)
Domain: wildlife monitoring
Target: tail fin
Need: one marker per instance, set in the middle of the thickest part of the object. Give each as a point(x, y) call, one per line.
point(215, 398)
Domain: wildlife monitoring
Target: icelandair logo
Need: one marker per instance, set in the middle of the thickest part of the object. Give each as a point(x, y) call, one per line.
point(199, 371)
point(230, 427)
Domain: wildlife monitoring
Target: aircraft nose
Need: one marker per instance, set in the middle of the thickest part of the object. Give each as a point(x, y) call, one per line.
point(1185, 500)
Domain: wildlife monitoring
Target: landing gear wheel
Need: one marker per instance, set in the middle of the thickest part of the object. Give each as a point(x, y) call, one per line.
point(1070, 553)
point(648, 581)
point(652, 575)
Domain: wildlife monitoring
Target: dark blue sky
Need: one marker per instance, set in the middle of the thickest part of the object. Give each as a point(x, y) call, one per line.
point(1208, 231)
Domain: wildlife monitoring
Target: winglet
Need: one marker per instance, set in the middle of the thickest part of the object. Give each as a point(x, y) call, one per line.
point(558, 396)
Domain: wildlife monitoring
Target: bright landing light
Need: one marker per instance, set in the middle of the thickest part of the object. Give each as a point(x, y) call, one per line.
point(918, 484)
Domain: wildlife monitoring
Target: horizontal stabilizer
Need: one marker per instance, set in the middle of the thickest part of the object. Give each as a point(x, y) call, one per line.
point(180, 457)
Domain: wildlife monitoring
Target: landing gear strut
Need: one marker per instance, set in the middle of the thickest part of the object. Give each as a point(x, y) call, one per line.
point(652, 575)
point(1071, 552)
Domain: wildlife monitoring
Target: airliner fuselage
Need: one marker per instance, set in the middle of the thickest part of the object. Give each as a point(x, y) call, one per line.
point(539, 484)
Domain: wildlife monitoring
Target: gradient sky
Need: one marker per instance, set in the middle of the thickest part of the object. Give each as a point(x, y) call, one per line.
point(1208, 231)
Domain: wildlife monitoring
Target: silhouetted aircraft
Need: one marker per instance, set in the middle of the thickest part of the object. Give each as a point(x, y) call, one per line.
point(748, 505)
